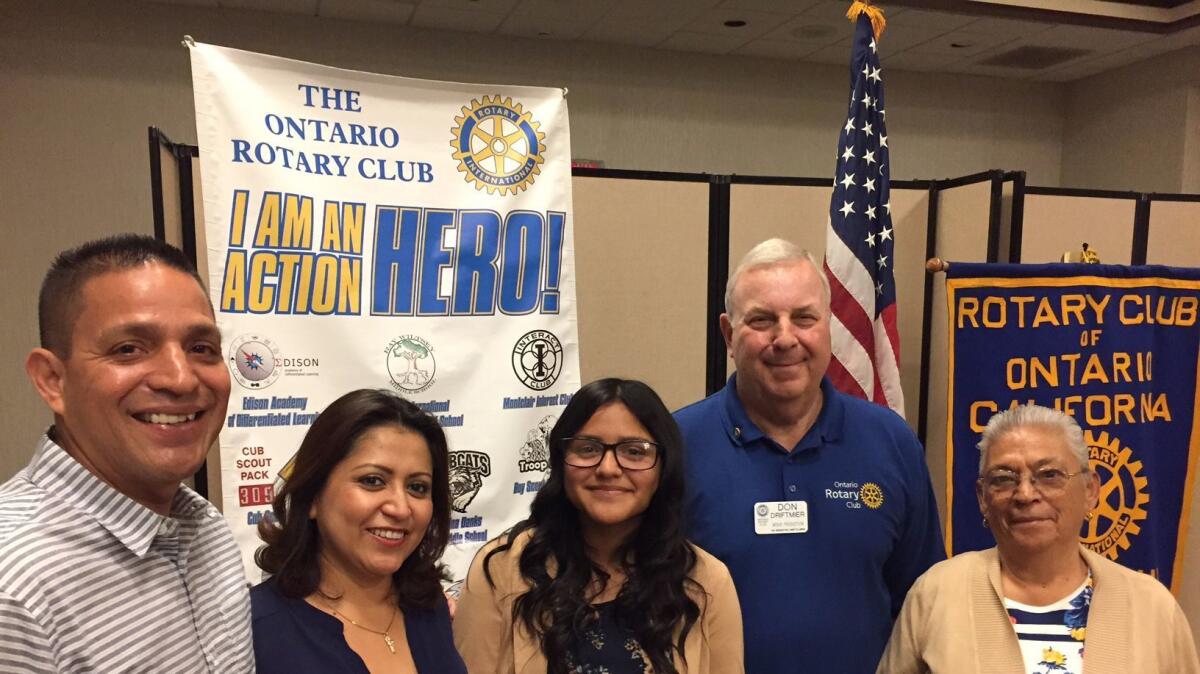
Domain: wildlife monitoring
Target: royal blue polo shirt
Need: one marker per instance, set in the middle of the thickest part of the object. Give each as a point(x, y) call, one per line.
point(823, 600)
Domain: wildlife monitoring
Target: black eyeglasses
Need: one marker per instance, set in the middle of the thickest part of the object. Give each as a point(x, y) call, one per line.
point(630, 454)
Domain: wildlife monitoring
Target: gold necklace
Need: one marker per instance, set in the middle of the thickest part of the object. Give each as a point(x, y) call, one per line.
point(387, 638)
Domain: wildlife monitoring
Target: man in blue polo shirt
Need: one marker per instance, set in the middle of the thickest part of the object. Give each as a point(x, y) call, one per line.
point(819, 503)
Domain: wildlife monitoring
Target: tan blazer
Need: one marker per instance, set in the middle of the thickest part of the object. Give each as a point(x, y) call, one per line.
point(491, 644)
point(954, 620)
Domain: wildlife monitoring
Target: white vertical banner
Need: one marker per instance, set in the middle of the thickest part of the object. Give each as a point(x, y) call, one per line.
point(371, 231)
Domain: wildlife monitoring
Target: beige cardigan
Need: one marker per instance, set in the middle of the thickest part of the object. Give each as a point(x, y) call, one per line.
point(490, 643)
point(954, 620)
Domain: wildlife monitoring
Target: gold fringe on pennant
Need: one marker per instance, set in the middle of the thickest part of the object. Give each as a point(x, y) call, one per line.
point(878, 23)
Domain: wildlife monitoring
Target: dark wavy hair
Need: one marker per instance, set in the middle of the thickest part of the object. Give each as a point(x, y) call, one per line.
point(293, 543)
point(657, 559)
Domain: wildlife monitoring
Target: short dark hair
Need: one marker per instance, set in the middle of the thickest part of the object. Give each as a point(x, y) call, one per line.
point(293, 543)
point(60, 297)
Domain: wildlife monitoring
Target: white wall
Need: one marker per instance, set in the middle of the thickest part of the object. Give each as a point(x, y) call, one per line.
point(1191, 144)
point(1135, 128)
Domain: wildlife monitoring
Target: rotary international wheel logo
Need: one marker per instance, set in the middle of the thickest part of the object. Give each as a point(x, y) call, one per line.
point(1123, 496)
point(498, 145)
point(871, 495)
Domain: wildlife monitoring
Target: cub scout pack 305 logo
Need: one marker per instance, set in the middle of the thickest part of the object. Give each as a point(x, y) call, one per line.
point(467, 470)
point(498, 145)
point(410, 364)
point(253, 360)
point(537, 359)
point(1123, 496)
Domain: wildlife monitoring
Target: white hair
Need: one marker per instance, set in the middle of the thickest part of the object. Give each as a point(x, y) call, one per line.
point(1034, 415)
point(769, 253)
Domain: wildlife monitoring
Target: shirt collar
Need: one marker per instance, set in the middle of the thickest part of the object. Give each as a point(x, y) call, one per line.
point(130, 522)
point(827, 428)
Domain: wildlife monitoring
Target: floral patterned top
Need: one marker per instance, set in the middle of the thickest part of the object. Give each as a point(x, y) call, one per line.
point(606, 647)
point(1052, 637)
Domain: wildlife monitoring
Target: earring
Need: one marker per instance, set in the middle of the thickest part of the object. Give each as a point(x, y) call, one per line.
point(985, 522)
point(1090, 515)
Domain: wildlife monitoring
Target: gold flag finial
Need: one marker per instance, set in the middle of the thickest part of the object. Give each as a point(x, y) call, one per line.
point(878, 23)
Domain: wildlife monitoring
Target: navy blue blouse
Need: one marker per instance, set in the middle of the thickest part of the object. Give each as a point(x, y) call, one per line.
point(607, 647)
point(292, 636)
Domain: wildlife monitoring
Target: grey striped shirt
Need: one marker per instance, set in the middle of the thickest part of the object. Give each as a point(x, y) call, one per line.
point(92, 581)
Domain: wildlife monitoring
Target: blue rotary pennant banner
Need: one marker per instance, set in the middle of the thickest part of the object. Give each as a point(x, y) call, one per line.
point(1115, 347)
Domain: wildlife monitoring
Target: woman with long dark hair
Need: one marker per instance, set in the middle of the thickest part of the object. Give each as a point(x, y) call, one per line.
point(352, 552)
point(600, 578)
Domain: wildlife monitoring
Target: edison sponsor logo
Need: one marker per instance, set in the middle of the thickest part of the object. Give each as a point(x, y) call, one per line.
point(256, 362)
point(467, 470)
point(411, 364)
point(253, 361)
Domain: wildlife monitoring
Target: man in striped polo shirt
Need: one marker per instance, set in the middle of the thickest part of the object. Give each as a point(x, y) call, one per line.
point(107, 562)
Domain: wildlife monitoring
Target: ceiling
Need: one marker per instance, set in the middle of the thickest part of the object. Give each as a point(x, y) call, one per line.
point(1045, 40)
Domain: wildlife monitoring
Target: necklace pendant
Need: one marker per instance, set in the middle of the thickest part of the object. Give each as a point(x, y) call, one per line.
point(391, 643)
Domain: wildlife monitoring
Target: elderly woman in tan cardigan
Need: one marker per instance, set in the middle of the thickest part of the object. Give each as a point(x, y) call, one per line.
point(1038, 602)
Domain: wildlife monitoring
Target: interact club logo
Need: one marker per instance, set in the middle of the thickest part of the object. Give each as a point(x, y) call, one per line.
point(498, 145)
point(253, 361)
point(537, 359)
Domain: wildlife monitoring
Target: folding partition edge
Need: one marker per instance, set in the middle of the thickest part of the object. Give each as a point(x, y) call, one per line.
point(1017, 214)
point(187, 222)
point(927, 312)
point(718, 275)
point(187, 202)
point(1141, 230)
point(156, 193)
point(995, 215)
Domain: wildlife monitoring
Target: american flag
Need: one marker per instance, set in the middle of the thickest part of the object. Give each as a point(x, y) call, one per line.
point(860, 241)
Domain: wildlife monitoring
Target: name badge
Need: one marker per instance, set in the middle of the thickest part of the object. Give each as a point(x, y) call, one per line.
point(780, 517)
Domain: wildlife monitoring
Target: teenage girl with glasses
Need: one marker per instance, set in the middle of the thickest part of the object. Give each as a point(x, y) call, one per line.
point(600, 578)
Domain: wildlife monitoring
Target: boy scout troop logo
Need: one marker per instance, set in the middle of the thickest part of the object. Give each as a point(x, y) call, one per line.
point(252, 361)
point(1123, 496)
point(498, 145)
point(467, 470)
point(537, 359)
point(534, 456)
point(410, 364)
